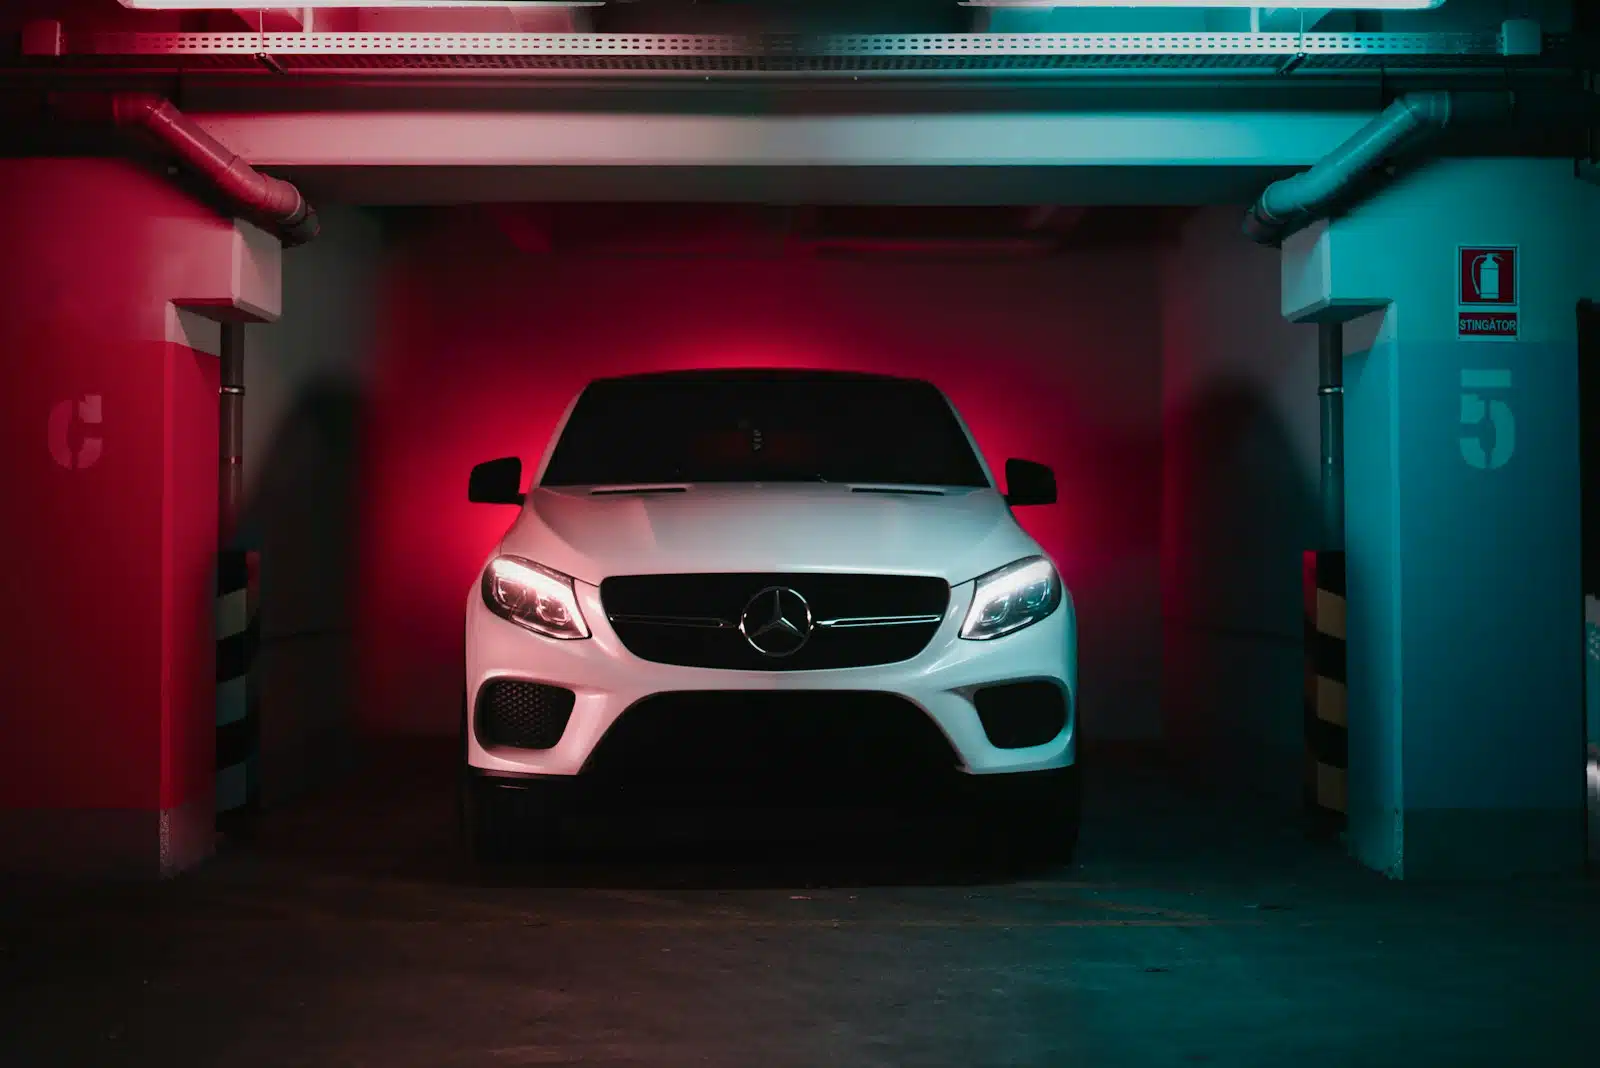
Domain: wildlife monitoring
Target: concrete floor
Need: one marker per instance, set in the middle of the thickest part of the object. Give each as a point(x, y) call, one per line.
point(1192, 932)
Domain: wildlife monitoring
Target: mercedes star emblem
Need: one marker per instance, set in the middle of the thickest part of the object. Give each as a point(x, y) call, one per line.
point(776, 622)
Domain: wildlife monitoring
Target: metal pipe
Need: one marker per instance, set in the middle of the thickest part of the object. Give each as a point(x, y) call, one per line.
point(1292, 203)
point(230, 433)
point(1330, 396)
point(273, 201)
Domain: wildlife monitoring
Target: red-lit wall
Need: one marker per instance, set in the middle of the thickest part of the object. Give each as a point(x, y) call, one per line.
point(481, 346)
point(131, 526)
point(109, 448)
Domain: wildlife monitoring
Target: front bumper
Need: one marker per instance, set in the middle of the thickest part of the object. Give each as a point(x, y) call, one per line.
point(607, 680)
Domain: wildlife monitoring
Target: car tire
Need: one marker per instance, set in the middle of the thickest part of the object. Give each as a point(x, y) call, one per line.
point(484, 829)
point(502, 823)
point(1060, 808)
point(502, 820)
point(1029, 819)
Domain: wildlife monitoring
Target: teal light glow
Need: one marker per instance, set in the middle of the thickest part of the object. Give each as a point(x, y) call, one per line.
point(1285, 5)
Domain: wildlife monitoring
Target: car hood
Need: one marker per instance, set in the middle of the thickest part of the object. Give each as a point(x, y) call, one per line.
point(774, 527)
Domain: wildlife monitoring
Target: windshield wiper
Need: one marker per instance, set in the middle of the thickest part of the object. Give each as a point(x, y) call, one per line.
point(644, 487)
point(890, 487)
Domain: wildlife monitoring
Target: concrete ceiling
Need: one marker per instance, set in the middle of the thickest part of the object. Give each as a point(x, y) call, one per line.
point(817, 103)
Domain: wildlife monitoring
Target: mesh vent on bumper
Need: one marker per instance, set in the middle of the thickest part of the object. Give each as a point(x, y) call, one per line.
point(526, 715)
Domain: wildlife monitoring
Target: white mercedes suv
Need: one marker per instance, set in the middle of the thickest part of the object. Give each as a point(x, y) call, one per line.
point(782, 578)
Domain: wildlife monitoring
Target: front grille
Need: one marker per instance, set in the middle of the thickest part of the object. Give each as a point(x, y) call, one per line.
point(1020, 714)
point(693, 620)
point(527, 715)
point(833, 742)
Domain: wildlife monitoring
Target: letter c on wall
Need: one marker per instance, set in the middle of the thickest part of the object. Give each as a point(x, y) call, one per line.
point(59, 436)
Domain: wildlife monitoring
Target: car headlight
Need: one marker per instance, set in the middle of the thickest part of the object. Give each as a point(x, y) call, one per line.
point(1011, 598)
point(533, 596)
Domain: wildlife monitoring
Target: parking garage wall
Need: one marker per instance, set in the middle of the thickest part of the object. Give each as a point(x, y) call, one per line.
point(485, 342)
point(1240, 467)
point(305, 379)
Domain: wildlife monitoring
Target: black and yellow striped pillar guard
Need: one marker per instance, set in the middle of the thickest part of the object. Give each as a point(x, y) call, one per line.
point(238, 720)
point(1327, 746)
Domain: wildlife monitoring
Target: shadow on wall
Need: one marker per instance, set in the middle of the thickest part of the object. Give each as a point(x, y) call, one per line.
point(303, 517)
point(1238, 514)
point(1112, 569)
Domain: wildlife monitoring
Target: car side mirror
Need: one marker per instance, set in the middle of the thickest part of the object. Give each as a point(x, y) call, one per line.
point(496, 482)
point(1029, 483)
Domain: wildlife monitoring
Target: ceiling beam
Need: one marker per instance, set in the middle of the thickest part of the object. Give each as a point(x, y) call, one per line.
point(271, 20)
point(1290, 20)
point(401, 138)
point(552, 19)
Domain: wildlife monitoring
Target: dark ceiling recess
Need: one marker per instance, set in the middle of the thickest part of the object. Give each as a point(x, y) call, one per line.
point(891, 233)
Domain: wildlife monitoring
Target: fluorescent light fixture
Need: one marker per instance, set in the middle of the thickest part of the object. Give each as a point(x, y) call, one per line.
point(290, 5)
point(1267, 5)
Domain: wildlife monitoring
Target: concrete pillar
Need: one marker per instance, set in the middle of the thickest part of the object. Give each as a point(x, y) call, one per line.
point(108, 330)
point(1465, 628)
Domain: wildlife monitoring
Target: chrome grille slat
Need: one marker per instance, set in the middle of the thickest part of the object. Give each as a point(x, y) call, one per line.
point(878, 621)
point(673, 621)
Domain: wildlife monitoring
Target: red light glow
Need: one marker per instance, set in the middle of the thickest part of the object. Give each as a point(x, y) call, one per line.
point(485, 346)
point(222, 5)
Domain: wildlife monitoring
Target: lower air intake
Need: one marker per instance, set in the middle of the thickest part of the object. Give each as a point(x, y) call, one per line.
point(1021, 714)
point(826, 743)
point(525, 715)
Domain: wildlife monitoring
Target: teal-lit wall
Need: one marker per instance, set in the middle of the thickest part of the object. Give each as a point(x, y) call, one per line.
point(1489, 574)
point(1465, 637)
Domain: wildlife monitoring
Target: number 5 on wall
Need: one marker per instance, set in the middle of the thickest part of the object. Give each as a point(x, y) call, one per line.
point(1475, 408)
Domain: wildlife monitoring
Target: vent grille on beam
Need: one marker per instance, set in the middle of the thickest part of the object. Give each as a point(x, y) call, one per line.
point(794, 54)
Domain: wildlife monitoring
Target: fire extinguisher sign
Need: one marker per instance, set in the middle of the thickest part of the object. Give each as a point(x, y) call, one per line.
point(1487, 293)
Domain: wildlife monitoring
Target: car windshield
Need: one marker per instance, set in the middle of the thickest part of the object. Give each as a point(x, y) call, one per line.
point(743, 427)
